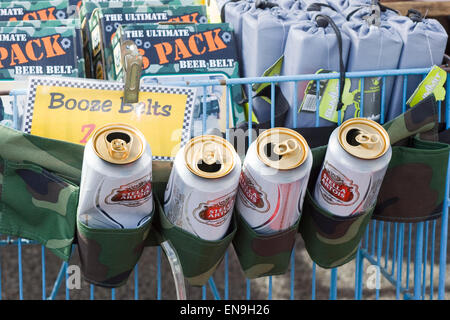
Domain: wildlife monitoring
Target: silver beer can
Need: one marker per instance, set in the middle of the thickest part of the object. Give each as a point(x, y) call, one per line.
point(201, 191)
point(116, 179)
point(355, 163)
point(273, 181)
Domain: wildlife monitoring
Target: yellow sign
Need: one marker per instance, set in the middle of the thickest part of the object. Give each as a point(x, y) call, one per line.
point(71, 110)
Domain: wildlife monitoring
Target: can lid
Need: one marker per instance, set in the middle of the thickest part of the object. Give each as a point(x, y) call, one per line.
point(282, 148)
point(363, 138)
point(209, 156)
point(118, 143)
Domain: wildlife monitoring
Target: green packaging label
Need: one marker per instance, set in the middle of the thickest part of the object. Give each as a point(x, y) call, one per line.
point(327, 98)
point(433, 83)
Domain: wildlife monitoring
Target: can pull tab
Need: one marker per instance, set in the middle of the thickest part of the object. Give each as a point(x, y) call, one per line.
point(367, 140)
point(285, 147)
point(119, 145)
point(210, 154)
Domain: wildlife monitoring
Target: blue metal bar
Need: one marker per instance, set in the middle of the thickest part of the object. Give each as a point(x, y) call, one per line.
point(433, 238)
point(19, 258)
point(388, 242)
point(302, 77)
point(1, 274)
point(136, 282)
point(418, 260)
point(272, 105)
point(295, 102)
point(383, 99)
point(439, 103)
point(409, 255)
point(203, 292)
point(214, 290)
point(361, 98)
point(405, 88)
point(58, 281)
point(113, 294)
point(44, 295)
point(313, 285)
point(360, 274)
point(317, 103)
point(269, 296)
point(374, 223)
point(400, 261)
point(227, 111)
point(248, 295)
point(92, 294)
point(15, 113)
point(158, 273)
point(66, 275)
point(333, 284)
point(444, 224)
point(357, 271)
point(379, 248)
point(425, 257)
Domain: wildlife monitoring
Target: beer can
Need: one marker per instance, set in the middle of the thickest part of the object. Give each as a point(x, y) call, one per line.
point(116, 189)
point(356, 161)
point(273, 181)
point(201, 191)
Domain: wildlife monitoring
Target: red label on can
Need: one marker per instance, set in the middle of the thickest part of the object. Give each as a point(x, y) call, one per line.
point(133, 194)
point(250, 192)
point(215, 212)
point(336, 188)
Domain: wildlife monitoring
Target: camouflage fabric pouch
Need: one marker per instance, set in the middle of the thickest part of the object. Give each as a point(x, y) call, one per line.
point(108, 256)
point(39, 205)
point(330, 240)
point(262, 255)
point(199, 258)
point(413, 188)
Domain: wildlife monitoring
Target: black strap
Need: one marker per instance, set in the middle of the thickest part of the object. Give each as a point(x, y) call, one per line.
point(414, 15)
point(222, 11)
point(264, 4)
point(383, 8)
point(323, 21)
point(316, 6)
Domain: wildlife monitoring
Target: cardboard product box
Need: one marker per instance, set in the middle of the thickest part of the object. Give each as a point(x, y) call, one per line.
point(188, 51)
point(54, 24)
point(39, 51)
point(107, 20)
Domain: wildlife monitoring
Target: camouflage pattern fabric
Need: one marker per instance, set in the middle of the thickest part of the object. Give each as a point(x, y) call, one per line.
point(263, 255)
point(422, 119)
point(38, 205)
point(38, 189)
point(199, 258)
point(108, 256)
point(330, 240)
point(62, 158)
point(413, 188)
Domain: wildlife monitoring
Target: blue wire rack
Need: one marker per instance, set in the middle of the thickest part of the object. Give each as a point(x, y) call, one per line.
point(410, 256)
